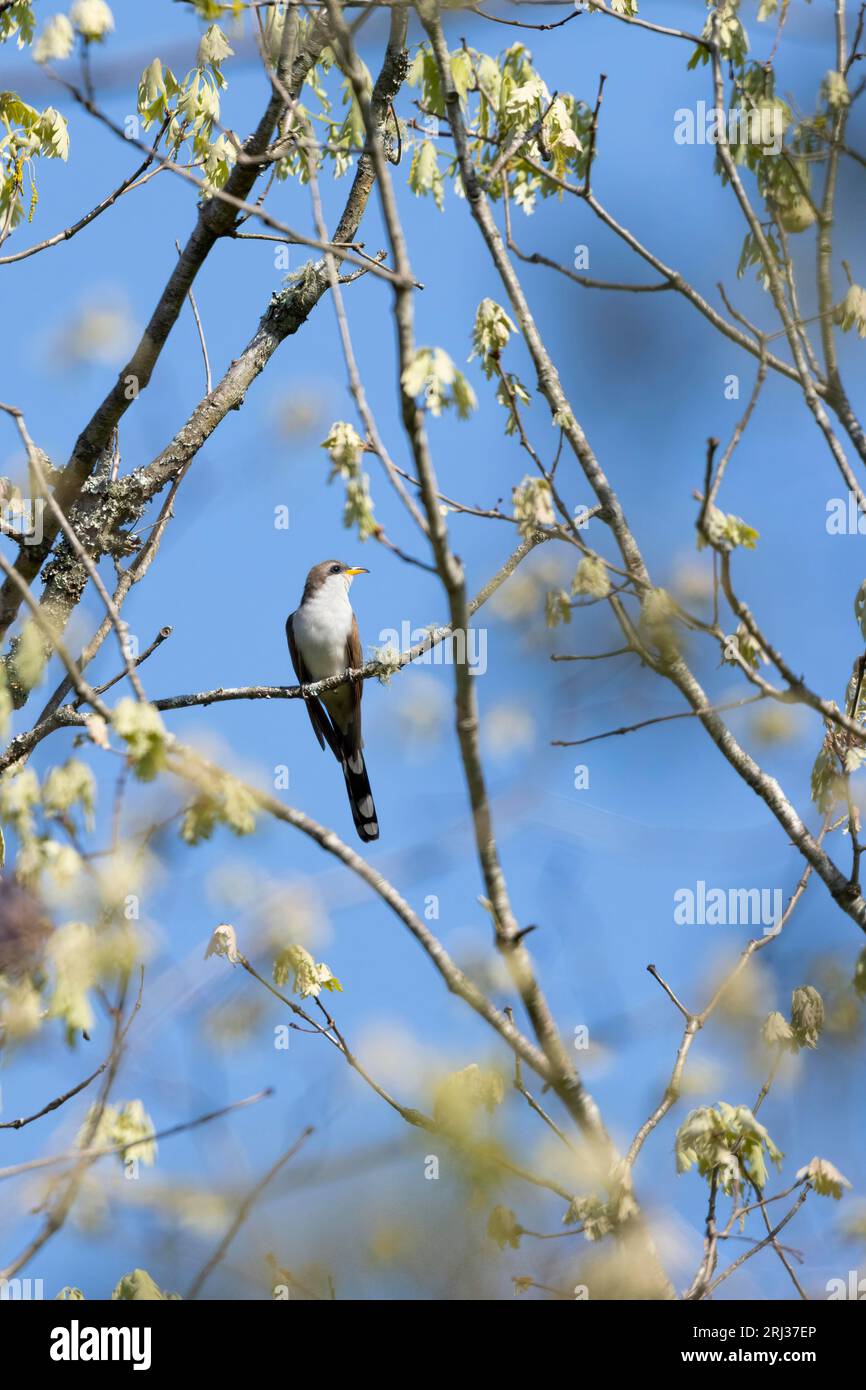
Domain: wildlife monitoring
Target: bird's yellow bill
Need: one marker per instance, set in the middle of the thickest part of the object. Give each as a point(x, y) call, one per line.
point(356, 571)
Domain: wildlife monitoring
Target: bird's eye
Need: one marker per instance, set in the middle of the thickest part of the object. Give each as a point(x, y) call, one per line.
point(335, 569)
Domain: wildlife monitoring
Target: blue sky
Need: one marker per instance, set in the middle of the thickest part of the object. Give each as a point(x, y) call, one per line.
point(596, 869)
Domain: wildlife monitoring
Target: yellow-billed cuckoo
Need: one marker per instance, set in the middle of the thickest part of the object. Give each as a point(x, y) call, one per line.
point(323, 641)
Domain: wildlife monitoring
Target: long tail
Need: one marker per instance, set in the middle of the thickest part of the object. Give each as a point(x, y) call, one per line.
point(360, 795)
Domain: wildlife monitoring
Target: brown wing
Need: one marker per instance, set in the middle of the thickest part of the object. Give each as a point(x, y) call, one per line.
point(354, 660)
point(318, 717)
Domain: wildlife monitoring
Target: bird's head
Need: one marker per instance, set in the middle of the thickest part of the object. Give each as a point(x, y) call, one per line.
point(331, 573)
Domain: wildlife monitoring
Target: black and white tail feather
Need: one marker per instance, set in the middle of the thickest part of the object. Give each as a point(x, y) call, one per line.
point(360, 795)
point(351, 760)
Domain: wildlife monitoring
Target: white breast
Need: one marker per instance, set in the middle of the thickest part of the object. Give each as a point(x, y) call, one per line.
point(321, 627)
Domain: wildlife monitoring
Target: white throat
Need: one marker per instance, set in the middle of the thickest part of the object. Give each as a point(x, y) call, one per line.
point(322, 625)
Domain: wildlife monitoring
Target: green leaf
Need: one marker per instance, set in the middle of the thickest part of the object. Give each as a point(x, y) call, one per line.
point(727, 531)
point(462, 396)
point(511, 393)
point(433, 372)
point(223, 942)
point(557, 608)
point(67, 786)
point(19, 795)
point(533, 506)
point(56, 41)
point(807, 1015)
point(53, 134)
point(22, 1008)
point(358, 512)
point(834, 90)
point(490, 334)
point(425, 175)
point(139, 1287)
point(213, 48)
point(591, 577)
point(225, 802)
point(596, 1217)
point(142, 730)
point(152, 94)
point(18, 19)
point(462, 1096)
point(92, 19)
point(726, 1140)
point(824, 1179)
point(851, 313)
point(126, 1127)
point(133, 1126)
point(238, 806)
point(345, 447)
point(28, 655)
point(309, 977)
point(777, 1032)
point(504, 1228)
point(525, 103)
point(827, 783)
point(74, 954)
point(657, 623)
point(424, 73)
point(461, 73)
point(199, 821)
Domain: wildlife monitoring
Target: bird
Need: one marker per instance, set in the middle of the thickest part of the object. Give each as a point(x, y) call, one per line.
point(323, 641)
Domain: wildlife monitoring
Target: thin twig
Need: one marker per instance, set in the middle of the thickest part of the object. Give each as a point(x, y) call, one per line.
point(244, 1211)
